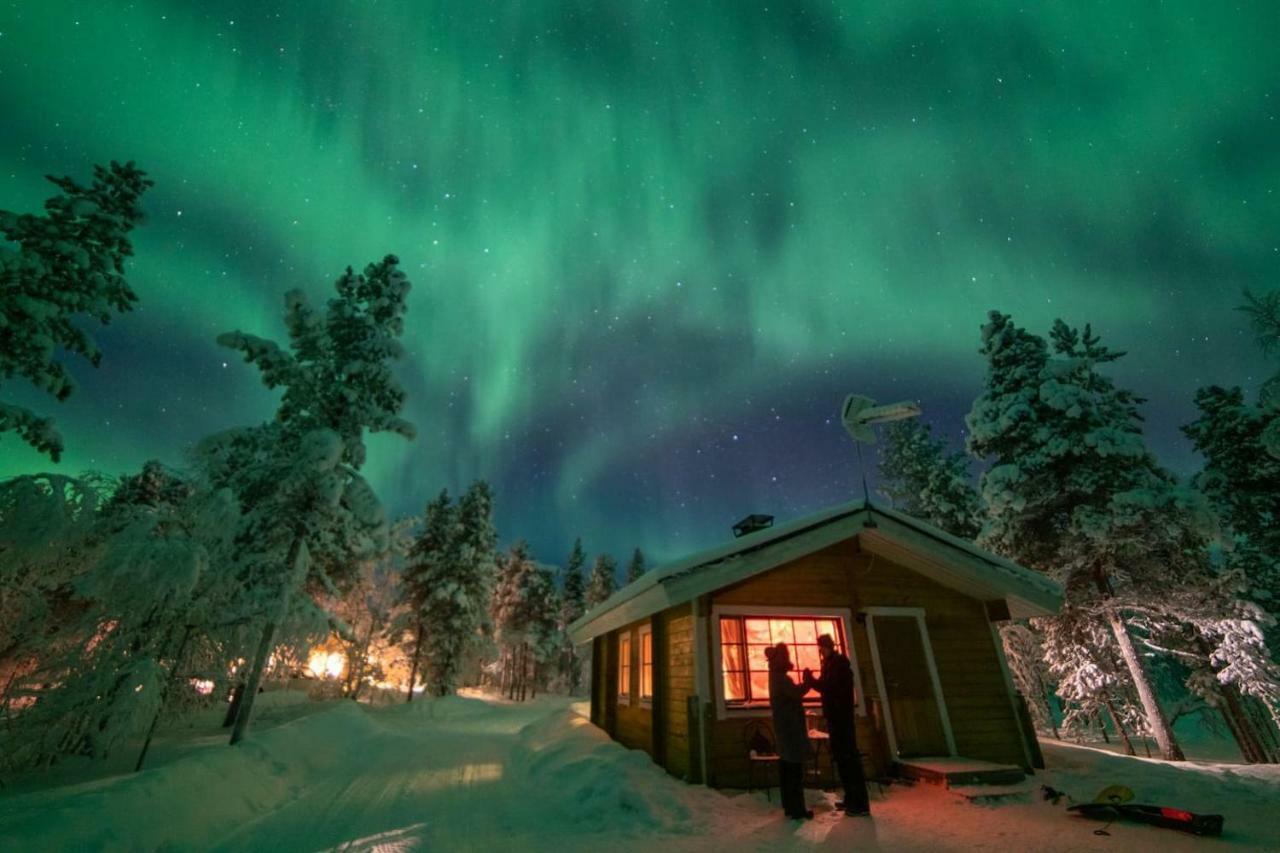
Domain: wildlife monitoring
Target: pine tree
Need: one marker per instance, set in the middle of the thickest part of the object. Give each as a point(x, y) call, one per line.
point(1066, 444)
point(1241, 478)
point(922, 479)
point(1264, 316)
point(68, 263)
point(1243, 482)
point(308, 517)
point(138, 592)
point(572, 605)
point(430, 563)
point(603, 580)
point(524, 618)
point(636, 567)
point(459, 597)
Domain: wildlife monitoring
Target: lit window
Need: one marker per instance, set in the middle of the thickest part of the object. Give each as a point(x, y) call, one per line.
point(624, 667)
point(743, 640)
point(646, 664)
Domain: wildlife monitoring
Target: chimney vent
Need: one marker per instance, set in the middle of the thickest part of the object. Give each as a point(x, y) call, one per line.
point(751, 524)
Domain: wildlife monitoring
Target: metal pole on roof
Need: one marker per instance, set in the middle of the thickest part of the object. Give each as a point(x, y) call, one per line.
point(858, 414)
point(862, 470)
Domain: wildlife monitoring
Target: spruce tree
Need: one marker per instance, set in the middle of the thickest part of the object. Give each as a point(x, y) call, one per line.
point(636, 567)
point(524, 619)
point(1066, 446)
point(308, 517)
point(458, 606)
point(1243, 482)
point(572, 605)
point(430, 564)
point(1264, 315)
point(66, 264)
point(603, 580)
point(922, 479)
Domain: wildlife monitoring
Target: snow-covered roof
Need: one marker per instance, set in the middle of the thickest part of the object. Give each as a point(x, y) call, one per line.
point(947, 559)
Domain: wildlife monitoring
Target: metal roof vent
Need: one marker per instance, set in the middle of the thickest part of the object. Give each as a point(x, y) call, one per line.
point(751, 524)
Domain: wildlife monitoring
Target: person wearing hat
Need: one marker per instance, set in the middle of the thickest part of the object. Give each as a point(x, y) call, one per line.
point(786, 700)
point(835, 684)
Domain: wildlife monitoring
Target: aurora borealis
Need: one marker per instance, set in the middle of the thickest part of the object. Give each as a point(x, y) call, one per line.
point(654, 244)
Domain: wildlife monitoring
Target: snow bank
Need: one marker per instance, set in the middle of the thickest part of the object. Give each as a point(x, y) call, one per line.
point(601, 785)
point(1247, 795)
point(448, 708)
point(199, 796)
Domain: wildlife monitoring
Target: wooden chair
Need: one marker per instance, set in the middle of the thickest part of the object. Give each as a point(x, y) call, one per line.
point(761, 752)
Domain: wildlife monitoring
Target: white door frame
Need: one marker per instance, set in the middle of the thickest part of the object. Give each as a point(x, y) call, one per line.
point(918, 614)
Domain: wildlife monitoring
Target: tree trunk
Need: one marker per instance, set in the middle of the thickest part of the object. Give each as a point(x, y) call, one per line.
point(1120, 729)
point(164, 694)
point(293, 563)
point(233, 708)
point(1265, 725)
point(413, 667)
point(1048, 706)
point(254, 681)
point(1241, 726)
point(1156, 720)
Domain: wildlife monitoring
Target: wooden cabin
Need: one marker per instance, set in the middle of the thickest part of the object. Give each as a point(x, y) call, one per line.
point(678, 667)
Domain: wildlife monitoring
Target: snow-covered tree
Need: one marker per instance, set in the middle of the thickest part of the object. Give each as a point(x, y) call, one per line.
point(62, 266)
point(430, 564)
point(1243, 481)
point(636, 567)
point(1066, 446)
point(572, 605)
point(524, 620)
point(922, 479)
point(1264, 316)
point(363, 614)
point(148, 593)
point(45, 523)
point(1026, 658)
point(307, 515)
point(477, 554)
point(603, 580)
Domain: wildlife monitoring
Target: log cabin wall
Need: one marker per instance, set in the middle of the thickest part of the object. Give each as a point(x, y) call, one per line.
point(973, 684)
point(675, 673)
point(634, 726)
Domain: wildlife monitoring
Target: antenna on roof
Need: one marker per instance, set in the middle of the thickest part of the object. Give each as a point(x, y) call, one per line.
point(858, 414)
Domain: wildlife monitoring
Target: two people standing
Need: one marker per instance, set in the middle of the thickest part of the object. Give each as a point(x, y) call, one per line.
point(786, 700)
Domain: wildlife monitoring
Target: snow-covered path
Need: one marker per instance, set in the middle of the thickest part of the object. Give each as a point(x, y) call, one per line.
point(470, 775)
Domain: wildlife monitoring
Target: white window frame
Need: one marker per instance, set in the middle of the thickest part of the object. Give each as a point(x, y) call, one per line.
point(917, 612)
point(844, 614)
point(624, 638)
point(646, 632)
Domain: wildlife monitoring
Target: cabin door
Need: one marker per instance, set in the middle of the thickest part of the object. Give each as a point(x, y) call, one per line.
point(915, 714)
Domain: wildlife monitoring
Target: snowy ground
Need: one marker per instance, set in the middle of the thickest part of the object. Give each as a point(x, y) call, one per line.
point(469, 774)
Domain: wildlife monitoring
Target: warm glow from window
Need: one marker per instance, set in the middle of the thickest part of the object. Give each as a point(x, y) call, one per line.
point(646, 664)
point(743, 640)
point(624, 665)
point(326, 664)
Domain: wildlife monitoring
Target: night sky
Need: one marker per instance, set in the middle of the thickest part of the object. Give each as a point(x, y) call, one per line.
point(654, 244)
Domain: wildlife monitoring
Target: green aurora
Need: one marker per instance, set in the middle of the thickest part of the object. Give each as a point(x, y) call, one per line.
point(654, 244)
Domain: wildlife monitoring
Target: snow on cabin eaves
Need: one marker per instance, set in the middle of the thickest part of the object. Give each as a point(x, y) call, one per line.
point(933, 552)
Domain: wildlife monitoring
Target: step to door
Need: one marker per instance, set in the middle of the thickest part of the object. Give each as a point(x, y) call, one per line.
point(954, 771)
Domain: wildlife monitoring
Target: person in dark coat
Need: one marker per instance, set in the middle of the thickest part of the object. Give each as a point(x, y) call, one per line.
point(789, 730)
point(835, 684)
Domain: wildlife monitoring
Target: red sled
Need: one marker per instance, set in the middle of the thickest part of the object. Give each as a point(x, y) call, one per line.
point(1184, 821)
